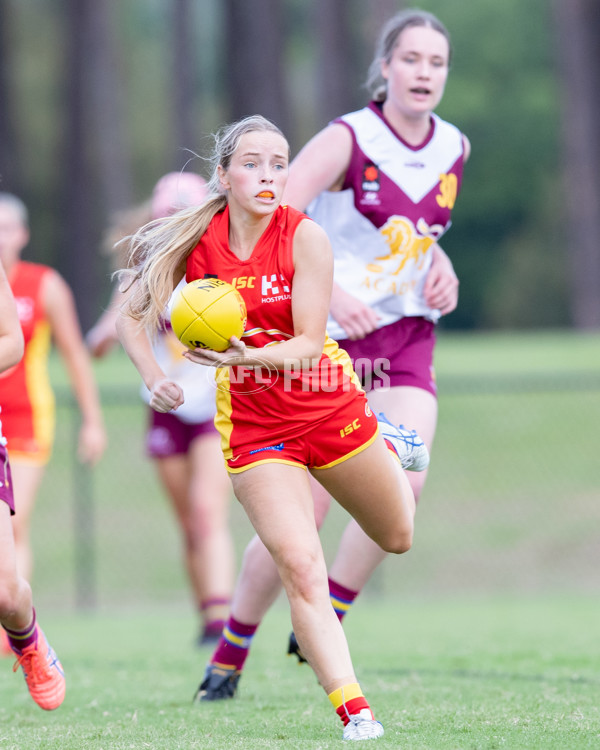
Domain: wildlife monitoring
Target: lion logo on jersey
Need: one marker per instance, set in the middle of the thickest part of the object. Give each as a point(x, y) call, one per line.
point(405, 244)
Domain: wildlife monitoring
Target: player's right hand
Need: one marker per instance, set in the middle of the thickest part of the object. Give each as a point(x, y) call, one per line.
point(356, 318)
point(166, 395)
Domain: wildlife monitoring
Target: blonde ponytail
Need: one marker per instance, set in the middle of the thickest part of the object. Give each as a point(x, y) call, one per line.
point(157, 255)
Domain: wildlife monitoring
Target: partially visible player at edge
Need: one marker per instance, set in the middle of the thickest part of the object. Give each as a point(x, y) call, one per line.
point(43, 672)
point(328, 427)
point(47, 314)
point(382, 182)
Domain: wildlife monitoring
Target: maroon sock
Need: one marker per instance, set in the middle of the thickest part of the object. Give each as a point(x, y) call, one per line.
point(341, 598)
point(214, 625)
point(234, 644)
point(20, 639)
point(213, 628)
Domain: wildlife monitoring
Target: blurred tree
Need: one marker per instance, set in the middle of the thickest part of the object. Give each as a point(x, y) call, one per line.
point(97, 174)
point(507, 240)
point(335, 82)
point(578, 32)
point(255, 60)
point(371, 18)
point(379, 12)
point(502, 92)
point(9, 151)
point(183, 65)
point(106, 128)
point(78, 241)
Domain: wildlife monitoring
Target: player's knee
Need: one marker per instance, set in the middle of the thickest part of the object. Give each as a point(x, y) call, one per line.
point(397, 541)
point(201, 524)
point(195, 535)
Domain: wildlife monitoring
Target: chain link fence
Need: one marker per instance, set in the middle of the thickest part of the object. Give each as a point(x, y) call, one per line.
point(512, 502)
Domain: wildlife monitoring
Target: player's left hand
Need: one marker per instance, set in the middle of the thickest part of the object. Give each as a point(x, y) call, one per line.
point(91, 444)
point(441, 284)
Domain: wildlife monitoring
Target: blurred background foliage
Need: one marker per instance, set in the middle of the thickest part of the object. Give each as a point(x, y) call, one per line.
point(98, 98)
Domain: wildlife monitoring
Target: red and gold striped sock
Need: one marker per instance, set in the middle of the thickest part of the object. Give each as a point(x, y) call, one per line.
point(349, 701)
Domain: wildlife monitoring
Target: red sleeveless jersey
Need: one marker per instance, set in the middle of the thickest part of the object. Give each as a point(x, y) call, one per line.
point(26, 396)
point(254, 406)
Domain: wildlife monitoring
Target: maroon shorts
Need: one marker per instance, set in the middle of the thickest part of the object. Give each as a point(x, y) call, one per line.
point(6, 488)
point(398, 354)
point(169, 436)
point(343, 434)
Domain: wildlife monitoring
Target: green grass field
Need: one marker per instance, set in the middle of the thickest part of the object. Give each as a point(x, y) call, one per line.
point(445, 674)
point(483, 637)
point(510, 503)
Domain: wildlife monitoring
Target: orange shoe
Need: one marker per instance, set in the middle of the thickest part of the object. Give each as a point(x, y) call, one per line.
point(43, 673)
point(5, 649)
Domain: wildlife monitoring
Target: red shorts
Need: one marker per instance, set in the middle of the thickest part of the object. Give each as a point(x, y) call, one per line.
point(6, 488)
point(170, 436)
point(343, 434)
point(398, 354)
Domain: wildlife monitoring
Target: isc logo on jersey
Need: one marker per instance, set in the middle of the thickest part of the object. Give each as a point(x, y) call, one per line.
point(270, 284)
point(273, 287)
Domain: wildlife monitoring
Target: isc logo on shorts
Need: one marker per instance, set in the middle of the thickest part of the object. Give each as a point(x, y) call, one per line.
point(349, 428)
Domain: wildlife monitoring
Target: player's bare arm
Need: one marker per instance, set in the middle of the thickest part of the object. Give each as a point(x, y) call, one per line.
point(62, 315)
point(166, 394)
point(320, 165)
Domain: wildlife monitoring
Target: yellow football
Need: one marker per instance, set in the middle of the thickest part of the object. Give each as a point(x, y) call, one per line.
point(206, 313)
